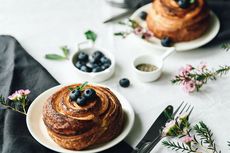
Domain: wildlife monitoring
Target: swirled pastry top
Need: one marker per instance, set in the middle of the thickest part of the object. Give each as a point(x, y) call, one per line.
point(77, 127)
point(166, 18)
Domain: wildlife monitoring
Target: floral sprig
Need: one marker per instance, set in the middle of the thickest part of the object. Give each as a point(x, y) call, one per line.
point(186, 138)
point(226, 46)
point(136, 28)
point(193, 78)
point(18, 101)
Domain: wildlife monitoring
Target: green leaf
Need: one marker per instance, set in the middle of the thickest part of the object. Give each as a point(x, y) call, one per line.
point(90, 35)
point(71, 89)
point(82, 86)
point(65, 50)
point(192, 1)
point(226, 46)
point(54, 57)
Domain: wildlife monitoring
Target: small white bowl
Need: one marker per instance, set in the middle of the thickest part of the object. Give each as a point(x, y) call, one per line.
point(153, 60)
point(148, 76)
point(95, 76)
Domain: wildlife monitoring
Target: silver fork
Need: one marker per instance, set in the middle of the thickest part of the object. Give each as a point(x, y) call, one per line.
point(182, 108)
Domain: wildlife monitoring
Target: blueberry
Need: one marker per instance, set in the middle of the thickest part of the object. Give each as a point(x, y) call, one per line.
point(183, 4)
point(85, 69)
point(97, 69)
point(79, 64)
point(166, 42)
point(82, 56)
point(124, 82)
point(143, 15)
point(91, 65)
point(105, 60)
point(105, 66)
point(89, 93)
point(74, 95)
point(81, 100)
point(97, 55)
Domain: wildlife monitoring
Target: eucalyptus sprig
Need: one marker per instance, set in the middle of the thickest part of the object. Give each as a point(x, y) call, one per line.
point(81, 87)
point(226, 46)
point(58, 57)
point(179, 146)
point(206, 136)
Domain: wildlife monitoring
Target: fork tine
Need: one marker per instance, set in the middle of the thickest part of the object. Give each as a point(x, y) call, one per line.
point(178, 108)
point(183, 108)
point(190, 111)
point(188, 108)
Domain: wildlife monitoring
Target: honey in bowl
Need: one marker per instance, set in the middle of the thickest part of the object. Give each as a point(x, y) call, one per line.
point(146, 67)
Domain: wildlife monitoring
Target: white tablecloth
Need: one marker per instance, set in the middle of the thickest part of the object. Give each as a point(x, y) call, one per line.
point(42, 26)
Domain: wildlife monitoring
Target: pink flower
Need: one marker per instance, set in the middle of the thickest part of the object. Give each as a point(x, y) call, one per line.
point(15, 96)
point(187, 139)
point(24, 92)
point(18, 95)
point(147, 35)
point(139, 31)
point(184, 71)
point(168, 127)
point(202, 66)
point(189, 86)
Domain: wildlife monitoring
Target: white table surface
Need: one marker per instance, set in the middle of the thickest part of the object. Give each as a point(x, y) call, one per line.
point(42, 26)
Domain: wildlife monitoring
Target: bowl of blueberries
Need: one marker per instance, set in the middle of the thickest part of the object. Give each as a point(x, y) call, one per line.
point(94, 64)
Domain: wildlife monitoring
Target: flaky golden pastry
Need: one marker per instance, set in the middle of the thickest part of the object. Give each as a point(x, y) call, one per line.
point(78, 127)
point(167, 19)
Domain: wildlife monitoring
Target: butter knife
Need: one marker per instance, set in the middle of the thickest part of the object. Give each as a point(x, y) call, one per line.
point(154, 132)
point(119, 16)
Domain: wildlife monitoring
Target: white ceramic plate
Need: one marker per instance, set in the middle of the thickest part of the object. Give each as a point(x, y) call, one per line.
point(182, 46)
point(39, 132)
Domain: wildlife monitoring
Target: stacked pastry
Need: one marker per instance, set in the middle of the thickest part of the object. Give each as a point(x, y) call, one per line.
point(76, 127)
point(167, 19)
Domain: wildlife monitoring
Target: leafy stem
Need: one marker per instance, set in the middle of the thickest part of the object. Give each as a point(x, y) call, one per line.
point(178, 146)
point(65, 55)
point(226, 46)
point(206, 136)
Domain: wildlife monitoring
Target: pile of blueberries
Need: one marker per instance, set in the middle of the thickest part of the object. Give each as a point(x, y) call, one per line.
point(82, 97)
point(96, 62)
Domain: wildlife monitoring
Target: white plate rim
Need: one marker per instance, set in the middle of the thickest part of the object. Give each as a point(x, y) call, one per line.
point(210, 34)
point(127, 108)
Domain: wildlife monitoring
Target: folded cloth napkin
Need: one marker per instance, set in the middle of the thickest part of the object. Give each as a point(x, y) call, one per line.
point(220, 7)
point(18, 70)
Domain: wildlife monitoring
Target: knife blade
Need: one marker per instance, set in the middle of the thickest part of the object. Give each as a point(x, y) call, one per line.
point(154, 131)
point(116, 17)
